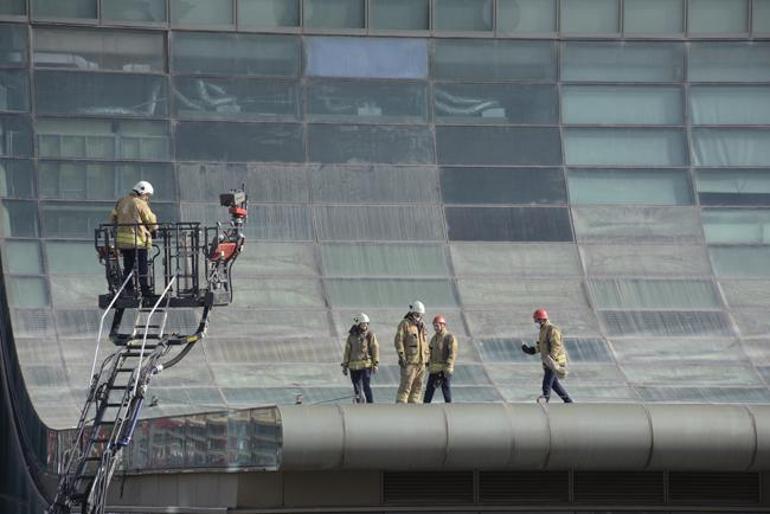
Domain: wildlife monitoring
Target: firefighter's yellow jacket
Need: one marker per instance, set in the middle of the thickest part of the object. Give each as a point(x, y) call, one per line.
point(132, 209)
point(361, 350)
point(443, 352)
point(549, 345)
point(412, 341)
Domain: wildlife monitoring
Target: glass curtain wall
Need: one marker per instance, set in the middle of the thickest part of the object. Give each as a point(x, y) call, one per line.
point(605, 160)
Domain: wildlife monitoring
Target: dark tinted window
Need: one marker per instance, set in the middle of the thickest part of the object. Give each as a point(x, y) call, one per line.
point(508, 224)
point(361, 143)
point(493, 145)
point(239, 141)
point(733, 187)
point(500, 185)
point(16, 179)
point(495, 103)
point(16, 138)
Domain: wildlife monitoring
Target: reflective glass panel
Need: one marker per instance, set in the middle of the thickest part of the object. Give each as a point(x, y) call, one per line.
point(400, 14)
point(14, 7)
point(27, 292)
point(689, 373)
point(72, 257)
point(746, 293)
point(526, 16)
point(15, 136)
point(99, 181)
point(717, 16)
point(14, 90)
point(379, 223)
point(102, 139)
point(334, 14)
point(495, 103)
point(203, 182)
point(667, 323)
point(13, 45)
point(653, 16)
point(729, 105)
point(646, 259)
point(493, 60)
point(368, 260)
point(59, 9)
point(278, 259)
point(270, 222)
point(634, 351)
point(524, 259)
point(760, 15)
point(374, 184)
point(236, 54)
point(731, 226)
point(521, 293)
point(210, 98)
point(653, 294)
point(367, 101)
point(463, 15)
point(202, 12)
point(625, 146)
point(360, 143)
point(362, 293)
point(395, 58)
point(623, 62)
point(134, 10)
point(62, 92)
point(740, 261)
point(97, 50)
point(733, 187)
point(76, 291)
point(78, 220)
point(271, 292)
point(729, 62)
point(637, 224)
point(19, 219)
point(268, 13)
point(16, 178)
point(508, 224)
point(622, 105)
point(498, 146)
point(221, 141)
point(652, 187)
point(503, 186)
point(731, 147)
point(589, 16)
point(705, 394)
point(23, 257)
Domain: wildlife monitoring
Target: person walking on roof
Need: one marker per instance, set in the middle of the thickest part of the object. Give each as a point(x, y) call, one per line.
point(136, 223)
point(443, 354)
point(361, 358)
point(413, 353)
point(552, 354)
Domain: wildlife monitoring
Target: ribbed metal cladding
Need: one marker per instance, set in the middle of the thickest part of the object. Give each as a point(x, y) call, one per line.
point(523, 486)
point(427, 487)
point(716, 488)
point(619, 488)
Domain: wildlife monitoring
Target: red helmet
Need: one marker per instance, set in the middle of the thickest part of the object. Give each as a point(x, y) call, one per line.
point(439, 319)
point(540, 314)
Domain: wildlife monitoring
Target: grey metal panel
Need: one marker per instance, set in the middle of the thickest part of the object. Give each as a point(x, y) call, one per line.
point(312, 437)
point(478, 436)
point(532, 436)
point(761, 418)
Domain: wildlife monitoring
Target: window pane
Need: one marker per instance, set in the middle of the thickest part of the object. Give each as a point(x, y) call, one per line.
point(653, 16)
point(59, 9)
point(374, 184)
point(712, 16)
point(400, 14)
point(23, 257)
point(731, 226)
point(278, 259)
point(653, 294)
point(524, 259)
point(393, 58)
point(369, 260)
point(14, 7)
point(26, 292)
point(334, 14)
point(589, 16)
point(61, 92)
point(219, 141)
point(733, 187)
point(520, 293)
point(740, 261)
point(760, 14)
point(100, 181)
point(92, 50)
point(14, 88)
point(72, 257)
point(379, 223)
point(15, 136)
point(651, 187)
point(204, 98)
point(103, 139)
point(500, 185)
point(747, 294)
point(16, 179)
point(731, 147)
point(236, 54)
point(79, 220)
point(629, 259)
point(705, 394)
point(203, 182)
point(13, 45)
point(360, 143)
point(508, 224)
point(19, 219)
point(495, 60)
point(622, 105)
point(503, 146)
point(463, 15)
point(526, 16)
point(270, 222)
point(623, 62)
point(666, 323)
point(730, 105)
point(134, 10)
point(495, 103)
point(362, 293)
point(202, 12)
point(729, 62)
point(637, 224)
point(626, 146)
point(367, 101)
point(689, 373)
point(270, 292)
point(268, 13)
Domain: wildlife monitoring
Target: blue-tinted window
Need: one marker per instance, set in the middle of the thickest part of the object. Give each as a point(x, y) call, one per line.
point(366, 58)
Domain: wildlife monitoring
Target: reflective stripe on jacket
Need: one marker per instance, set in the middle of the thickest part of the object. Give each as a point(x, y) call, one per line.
point(443, 352)
point(133, 210)
point(412, 341)
point(549, 343)
point(361, 350)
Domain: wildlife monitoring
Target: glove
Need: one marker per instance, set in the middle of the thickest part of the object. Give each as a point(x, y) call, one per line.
point(401, 360)
point(449, 372)
point(529, 350)
point(345, 370)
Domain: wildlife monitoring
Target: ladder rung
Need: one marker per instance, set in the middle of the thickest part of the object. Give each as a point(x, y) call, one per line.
point(100, 440)
point(124, 370)
point(113, 404)
point(81, 477)
point(136, 354)
point(93, 459)
point(100, 423)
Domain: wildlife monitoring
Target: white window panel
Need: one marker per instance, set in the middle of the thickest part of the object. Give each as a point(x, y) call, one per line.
point(522, 293)
point(730, 105)
point(645, 187)
point(589, 16)
point(746, 293)
point(622, 105)
point(653, 16)
point(734, 226)
point(717, 16)
point(645, 260)
point(625, 146)
point(558, 259)
point(731, 147)
point(728, 62)
point(637, 224)
point(740, 261)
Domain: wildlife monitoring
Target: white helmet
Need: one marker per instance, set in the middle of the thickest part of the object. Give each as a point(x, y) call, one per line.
point(360, 318)
point(143, 187)
point(417, 306)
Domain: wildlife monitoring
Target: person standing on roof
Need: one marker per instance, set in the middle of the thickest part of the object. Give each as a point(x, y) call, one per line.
point(136, 223)
point(552, 354)
point(361, 357)
point(443, 354)
point(413, 353)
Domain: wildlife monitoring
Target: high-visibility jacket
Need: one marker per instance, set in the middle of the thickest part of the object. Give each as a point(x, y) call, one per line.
point(549, 345)
point(443, 352)
point(361, 350)
point(412, 341)
point(133, 209)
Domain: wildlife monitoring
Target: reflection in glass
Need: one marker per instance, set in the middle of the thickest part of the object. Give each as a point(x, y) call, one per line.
point(134, 10)
point(653, 16)
point(717, 16)
point(733, 187)
point(220, 141)
point(495, 103)
point(733, 226)
point(494, 60)
point(268, 13)
point(196, 97)
point(740, 261)
point(625, 146)
point(367, 101)
point(731, 147)
point(334, 14)
point(356, 144)
point(508, 224)
point(623, 62)
point(19, 219)
point(622, 105)
point(16, 178)
point(202, 12)
point(463, 15)
point(400, 14)
point(59, 9)
point(589, 16)
point(22, 257)
point(498, 146)
point(730, 105)
point(729, 61)
point(14, 87)
point(526, 16)
point(650, 187)
point(100, 181)
point(394, 58)
point(501, 185)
